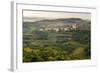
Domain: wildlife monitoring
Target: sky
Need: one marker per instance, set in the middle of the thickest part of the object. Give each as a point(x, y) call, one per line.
point(39, 15)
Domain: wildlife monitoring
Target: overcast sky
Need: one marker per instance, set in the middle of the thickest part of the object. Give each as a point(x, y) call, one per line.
point(38, 15)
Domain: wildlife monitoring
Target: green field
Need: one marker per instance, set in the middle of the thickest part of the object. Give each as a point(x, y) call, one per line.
point(39, 46)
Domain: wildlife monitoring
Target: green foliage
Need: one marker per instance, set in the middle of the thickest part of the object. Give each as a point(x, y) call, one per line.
point(53, 46)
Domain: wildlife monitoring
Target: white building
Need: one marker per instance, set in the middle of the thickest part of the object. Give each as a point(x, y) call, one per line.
point(74, 26)
point(56, 29)
point(66, 29)
point(40, 29)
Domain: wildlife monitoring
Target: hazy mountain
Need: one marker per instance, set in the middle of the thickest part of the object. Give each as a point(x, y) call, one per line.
point(52, 23)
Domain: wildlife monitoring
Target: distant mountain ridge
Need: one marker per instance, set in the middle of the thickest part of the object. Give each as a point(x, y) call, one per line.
point(56, 23)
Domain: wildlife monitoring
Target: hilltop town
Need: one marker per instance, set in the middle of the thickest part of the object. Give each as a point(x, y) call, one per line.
point(57, 29)
point(57, 25)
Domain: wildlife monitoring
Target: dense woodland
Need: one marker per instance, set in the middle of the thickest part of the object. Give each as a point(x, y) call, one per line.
point(53, 45)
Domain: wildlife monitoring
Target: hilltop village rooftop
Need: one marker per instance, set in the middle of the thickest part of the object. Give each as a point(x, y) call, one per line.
point(66, 28)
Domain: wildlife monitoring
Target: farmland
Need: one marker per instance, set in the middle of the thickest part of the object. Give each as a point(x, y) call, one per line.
point(59, 42)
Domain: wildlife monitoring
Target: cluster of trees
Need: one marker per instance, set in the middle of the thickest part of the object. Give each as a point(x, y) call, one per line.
point(50, 54)
point(46, 54)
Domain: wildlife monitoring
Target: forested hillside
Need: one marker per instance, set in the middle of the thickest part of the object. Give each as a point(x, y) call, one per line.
point(56, 40)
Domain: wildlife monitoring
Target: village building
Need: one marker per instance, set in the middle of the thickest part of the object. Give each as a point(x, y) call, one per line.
point(64, 28)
